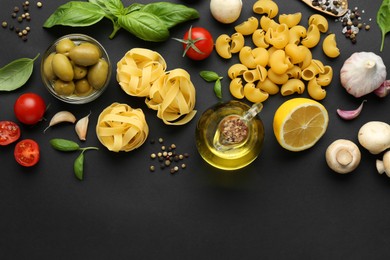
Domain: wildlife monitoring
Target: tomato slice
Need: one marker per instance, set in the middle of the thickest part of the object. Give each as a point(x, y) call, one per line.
point(27, 152)
point(9, 132)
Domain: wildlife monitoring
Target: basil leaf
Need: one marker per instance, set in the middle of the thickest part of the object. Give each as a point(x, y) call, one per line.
point(112, 8)
point(133, 7)
point(64, 145)
point(16, 73)
point(209, 76)
point(78, 166)
point(218, 89)
point(172, 14)
point(383, 20)
point(75, 13)
point(145, 26)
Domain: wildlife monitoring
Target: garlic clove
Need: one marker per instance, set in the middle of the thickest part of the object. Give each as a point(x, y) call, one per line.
point(383, 90)
point(351, 114)
point(60, 117)
point(81, 127)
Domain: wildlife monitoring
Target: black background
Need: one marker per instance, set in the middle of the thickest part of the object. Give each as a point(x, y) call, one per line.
point(284, 205)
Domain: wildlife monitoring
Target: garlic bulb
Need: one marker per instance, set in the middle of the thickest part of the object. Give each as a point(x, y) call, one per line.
point(362, 73)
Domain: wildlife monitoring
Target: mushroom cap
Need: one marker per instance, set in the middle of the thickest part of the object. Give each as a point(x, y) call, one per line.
point(343, 156)
point(375, 136)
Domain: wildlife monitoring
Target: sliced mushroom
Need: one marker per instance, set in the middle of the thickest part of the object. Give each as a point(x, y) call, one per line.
point(343, 156)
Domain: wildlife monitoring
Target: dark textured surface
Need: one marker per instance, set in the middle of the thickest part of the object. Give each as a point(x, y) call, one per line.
point(283, 206)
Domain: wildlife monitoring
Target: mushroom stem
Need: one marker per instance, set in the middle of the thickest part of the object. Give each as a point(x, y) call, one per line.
point(344, 157)
point(384, 165)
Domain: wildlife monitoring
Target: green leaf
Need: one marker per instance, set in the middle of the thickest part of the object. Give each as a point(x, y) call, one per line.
point(112, 8)
point(78, 166)
point(172, 14)
point(64, 145)
point(145, 26)
point(16, 73)
point(132, 8)
point(209, 76)
point(76, 14)
point(218, 89)
point(383, 20)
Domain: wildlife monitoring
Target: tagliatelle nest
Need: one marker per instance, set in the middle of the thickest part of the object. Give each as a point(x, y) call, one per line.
point(122, 128)
point(138, 69)
point(173, 96)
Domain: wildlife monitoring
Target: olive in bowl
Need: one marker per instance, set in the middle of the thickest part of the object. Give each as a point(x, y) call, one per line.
point(76, 69)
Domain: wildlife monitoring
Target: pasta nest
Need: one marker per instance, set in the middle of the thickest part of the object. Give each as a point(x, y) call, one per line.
point(138, 69)
point(173, 96)
point(122, 128)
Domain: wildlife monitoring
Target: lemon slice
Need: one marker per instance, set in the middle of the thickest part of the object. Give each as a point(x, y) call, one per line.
point(299, 123)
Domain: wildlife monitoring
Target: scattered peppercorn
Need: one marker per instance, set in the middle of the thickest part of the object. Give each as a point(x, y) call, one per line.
point(352, 23)
point(4, 24)
point(39, 4)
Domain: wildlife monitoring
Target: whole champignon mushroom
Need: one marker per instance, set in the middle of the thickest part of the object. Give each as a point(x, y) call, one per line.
point(384, 165)
point(343, 156)
point(375, 136)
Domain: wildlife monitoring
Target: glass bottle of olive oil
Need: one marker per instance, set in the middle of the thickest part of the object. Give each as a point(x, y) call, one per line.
point(230, 135)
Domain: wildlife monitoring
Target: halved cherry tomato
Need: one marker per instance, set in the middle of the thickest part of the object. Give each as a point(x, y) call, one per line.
point(29, 108)
point(9, 132)
point(198, 43)
point(27, 152)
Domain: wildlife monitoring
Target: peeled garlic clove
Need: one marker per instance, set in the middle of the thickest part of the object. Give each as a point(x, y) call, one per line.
point(350, 114)
point(82, 127)
point(60, 117)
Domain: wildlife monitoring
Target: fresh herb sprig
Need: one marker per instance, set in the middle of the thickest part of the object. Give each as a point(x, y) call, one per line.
point(211, 76)
point(64, 145)
point(383, 20)
point(149, 22)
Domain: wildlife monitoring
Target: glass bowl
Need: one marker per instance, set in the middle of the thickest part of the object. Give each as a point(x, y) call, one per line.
point(50, 78)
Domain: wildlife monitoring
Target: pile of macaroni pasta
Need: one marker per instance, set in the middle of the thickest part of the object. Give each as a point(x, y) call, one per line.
point(142, 73)
point(280, 60)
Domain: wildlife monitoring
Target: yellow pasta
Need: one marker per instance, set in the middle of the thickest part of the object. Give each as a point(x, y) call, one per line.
point(121, 128)
point(315, 90)
point(325, 78)
point(258, 39)
point(279, 63)
point(296, 34)
point(278, 37)
point(329, 46)
point(247, 27)
point(237, 42)
point(277, 78)
point(316, 67)
point(268, 7)
point(173, 96)
point(236, 88)
point(290, 20)
point(268, 86)
point(266, 23)
point(307, 59)
point(292, 86)
point(312, 37)
point(254, 94)
point(320, 21)
point(138, 69)
point(222, 46)
point(259, 73)
point(236, 70)
point(295, 72)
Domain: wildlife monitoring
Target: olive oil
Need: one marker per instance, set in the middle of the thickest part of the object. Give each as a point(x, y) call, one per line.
point(230, 136)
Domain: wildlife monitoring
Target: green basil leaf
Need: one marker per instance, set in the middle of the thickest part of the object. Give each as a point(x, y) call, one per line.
point(16, 73)
point(64, 145)
point(145, 26)
point(132, 8)
point(78, 166)
point(112, 8)
point(172, 14)
point(75, 13)
point(209, 76)
point(383, 20)
point(218, 89)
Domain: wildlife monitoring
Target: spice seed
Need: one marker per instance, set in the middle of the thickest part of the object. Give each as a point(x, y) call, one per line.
point(152, 168)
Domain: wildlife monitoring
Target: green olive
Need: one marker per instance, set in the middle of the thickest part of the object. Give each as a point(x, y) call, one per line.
point(64, 46)
point(98, 73)
point(85, 54)
point(64, 88)
point(79, 71)
point(82, 87)
point(62, 67)
point(47, 67)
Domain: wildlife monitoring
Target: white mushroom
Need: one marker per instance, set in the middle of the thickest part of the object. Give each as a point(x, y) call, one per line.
point(343, 156)
point(375, 136)
point(384, 165)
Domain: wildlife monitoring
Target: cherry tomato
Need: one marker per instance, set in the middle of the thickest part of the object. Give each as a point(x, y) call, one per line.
point(198, 43)
point(9, 132)
point(27, 152)
point(29, 108)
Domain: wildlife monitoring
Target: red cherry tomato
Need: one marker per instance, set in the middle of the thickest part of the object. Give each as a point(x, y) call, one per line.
point(9, 132)
point(27, 152)
point(198, 43)
point(29, 108)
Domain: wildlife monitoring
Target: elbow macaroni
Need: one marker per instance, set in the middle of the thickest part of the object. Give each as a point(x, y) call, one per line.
point(248, 27)
point(320, 21)
point(290, 20)
point(268, 7)
point(329, 46)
